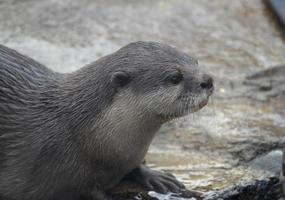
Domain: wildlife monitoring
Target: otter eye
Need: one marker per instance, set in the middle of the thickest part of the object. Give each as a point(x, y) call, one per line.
point(175, 79)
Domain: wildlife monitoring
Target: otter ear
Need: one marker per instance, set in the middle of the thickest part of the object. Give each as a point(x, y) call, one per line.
point(120, 78)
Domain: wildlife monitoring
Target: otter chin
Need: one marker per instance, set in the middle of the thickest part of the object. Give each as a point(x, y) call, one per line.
point(77, 135)
point(188, 109)
point(202, 104)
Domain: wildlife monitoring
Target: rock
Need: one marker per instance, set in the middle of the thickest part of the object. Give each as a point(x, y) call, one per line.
point(271, 161)
point(267, 189)
point(256, 190)
point(266, 84)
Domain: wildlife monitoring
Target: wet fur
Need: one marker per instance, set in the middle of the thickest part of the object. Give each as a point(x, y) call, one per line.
point(61, 135)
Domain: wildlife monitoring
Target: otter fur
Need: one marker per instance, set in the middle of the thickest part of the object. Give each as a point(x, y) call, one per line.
point(77, 135)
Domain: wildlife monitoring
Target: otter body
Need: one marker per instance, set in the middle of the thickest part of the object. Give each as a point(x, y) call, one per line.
point(72, 136)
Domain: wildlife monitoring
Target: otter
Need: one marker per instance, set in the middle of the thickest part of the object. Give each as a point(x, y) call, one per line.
point(77, 135)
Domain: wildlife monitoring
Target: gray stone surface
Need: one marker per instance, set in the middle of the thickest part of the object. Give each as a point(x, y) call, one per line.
point(214, 149)
point(267, 84)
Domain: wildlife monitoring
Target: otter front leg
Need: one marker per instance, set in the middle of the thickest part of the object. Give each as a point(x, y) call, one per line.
point(154, 180)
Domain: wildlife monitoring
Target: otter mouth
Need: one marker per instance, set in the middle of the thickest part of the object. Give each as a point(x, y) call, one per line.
point(188, 107)
point(200, 105)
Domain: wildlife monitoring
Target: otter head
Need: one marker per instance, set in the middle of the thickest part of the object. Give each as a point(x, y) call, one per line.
point(160, 81)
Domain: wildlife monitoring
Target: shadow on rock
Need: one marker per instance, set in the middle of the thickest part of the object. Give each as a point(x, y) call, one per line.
point(266, 84)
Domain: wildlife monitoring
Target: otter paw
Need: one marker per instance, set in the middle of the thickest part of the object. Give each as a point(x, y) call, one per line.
point(158, 181)
point(97, 194)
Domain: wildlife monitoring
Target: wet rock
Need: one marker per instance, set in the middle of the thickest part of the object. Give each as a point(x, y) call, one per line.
point(271, 161)
point(269, 189)
point(252, 149)
point(266, 84)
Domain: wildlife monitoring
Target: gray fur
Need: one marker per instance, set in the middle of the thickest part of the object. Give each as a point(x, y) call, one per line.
point(62, 135)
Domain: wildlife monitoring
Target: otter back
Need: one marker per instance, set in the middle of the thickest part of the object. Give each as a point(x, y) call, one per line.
point(28, 138)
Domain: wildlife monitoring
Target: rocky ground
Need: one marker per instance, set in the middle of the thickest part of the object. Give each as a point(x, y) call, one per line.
point(231, 149)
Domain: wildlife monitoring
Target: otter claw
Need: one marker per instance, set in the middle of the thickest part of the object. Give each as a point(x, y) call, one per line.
point(157, 181)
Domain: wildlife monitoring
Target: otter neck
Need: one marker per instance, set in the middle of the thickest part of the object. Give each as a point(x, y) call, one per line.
point(125, 129)
point(128, 119)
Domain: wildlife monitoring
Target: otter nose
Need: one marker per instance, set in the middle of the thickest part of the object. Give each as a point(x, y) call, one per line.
point(207, 82)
